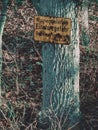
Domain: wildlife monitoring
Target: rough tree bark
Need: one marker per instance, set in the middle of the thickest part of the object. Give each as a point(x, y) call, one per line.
point(2, 23)
point(60, 101)
point(85, 23)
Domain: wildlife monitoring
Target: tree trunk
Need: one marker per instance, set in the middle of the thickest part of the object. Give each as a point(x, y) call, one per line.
point(2, 23)
point(85, 23)
point(60, 101)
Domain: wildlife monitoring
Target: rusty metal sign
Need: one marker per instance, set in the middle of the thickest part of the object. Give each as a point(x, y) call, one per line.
point(52, 29)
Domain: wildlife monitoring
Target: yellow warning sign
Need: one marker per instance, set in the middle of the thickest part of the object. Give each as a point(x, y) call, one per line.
point(52, 29)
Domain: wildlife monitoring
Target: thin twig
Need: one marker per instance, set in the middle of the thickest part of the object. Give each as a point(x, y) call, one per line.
point(73, 126)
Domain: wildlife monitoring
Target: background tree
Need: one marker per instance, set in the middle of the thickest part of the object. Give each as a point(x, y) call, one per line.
point(2, 23)
point(61, 69)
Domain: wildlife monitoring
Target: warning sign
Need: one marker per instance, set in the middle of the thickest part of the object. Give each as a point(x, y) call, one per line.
point(52, 29)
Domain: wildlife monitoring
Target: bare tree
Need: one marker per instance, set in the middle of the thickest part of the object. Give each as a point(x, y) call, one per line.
point(60, 102)
point(2, 23)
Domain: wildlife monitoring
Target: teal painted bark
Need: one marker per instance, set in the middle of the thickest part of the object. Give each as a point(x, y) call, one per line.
point(85, 23)
point(2, 23)
point(60, 101)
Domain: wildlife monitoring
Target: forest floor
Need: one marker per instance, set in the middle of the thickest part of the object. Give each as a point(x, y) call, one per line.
point(22, 72)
